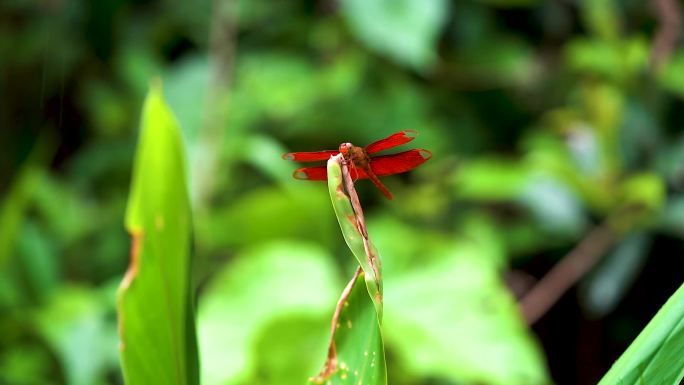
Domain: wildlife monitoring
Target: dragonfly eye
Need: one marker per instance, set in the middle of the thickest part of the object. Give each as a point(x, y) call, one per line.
point(344, 148)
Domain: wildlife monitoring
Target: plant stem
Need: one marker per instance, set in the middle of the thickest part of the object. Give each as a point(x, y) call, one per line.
point(567, 272)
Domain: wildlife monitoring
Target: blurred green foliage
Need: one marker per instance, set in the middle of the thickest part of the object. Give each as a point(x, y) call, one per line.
point(545, 119)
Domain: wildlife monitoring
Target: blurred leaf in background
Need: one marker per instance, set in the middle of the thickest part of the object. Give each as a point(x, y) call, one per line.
point(404, 30)
point(247, 332)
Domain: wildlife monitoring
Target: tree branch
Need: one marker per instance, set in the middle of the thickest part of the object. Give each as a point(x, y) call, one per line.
point(670, 17)
point(567, 272)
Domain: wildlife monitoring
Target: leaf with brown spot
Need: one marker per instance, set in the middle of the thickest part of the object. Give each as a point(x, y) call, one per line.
point(156, 317)
point(356, 354)
point(354, 233)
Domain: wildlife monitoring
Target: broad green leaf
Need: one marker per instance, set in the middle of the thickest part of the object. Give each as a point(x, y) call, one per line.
point(404, 30)
point(657, 355)
point(265, 287)
point(358, 341)
point(447, 312)
point(347, 220)
point(155, 309)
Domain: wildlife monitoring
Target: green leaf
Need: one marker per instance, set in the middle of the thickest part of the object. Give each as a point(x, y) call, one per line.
point(360, 355)
point(262, 287)
point(404, 30)
point(448, 315)
point(155, 309)
point(358, 340)
point(657, 355)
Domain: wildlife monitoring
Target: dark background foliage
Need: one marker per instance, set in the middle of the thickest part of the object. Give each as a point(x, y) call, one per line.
point(548, 120)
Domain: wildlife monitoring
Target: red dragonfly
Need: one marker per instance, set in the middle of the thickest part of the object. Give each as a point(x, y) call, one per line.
point(361, 163)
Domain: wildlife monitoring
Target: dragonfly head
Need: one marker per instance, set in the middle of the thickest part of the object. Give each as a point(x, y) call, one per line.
point(345, 148)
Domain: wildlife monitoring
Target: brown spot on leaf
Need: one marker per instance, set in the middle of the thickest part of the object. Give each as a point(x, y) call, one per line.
point(330, 366)
point(132, 271)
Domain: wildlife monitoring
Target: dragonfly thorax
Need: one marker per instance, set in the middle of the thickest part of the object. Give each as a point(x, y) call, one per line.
point(355, 155)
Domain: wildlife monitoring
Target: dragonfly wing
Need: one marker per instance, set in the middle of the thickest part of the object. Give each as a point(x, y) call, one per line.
point(398, 163)
point(393, 140)
point(311, 173)
point(310, 156)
